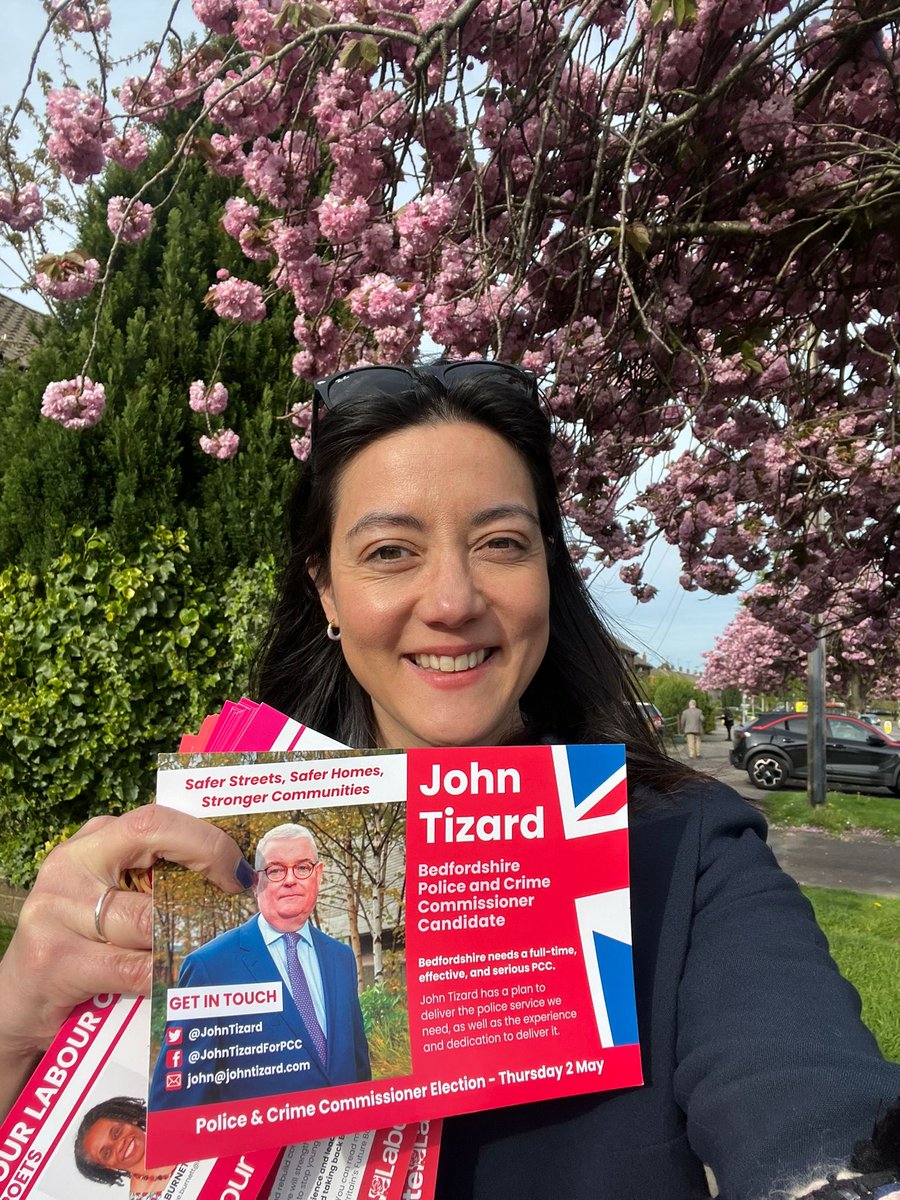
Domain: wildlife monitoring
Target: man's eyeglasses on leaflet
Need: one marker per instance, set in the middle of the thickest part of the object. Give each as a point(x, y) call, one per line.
point(277, 872)
point(362, 382)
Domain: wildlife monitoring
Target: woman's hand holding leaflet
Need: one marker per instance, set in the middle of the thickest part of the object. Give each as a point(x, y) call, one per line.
point(57, 957)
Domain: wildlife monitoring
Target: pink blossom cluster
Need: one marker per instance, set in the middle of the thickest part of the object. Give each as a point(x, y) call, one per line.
point(129, 220)
point(80, 125)
point(217, 15)
point(259, 28)
point(248, 106)
point(236, 299)
point(301, 270)
point(279, 171)
point(82, 17)
point(300, 441)
point(422, 223)
point(239, 215)
point(343, 221)
point(241, 221)
point(380, 300)
point(320, 348)
point(301, 415)
point(22, 208)
point(766, 123)
point(75, 403)
point(212, 400)
point(68, 277)
point(752, 656)
point(222, 445)
point(128, 150)
point(150, 98)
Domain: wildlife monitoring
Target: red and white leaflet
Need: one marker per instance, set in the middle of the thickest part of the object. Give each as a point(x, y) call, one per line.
point(516, 939)
point(375, 1165)
point(421, 1173)
point(390, 1164)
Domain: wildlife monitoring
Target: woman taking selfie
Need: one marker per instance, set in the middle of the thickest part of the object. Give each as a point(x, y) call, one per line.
point(429, 600)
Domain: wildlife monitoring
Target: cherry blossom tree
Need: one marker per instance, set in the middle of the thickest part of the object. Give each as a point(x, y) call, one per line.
point(751, 656)
point(683, 217)
point(862, 659)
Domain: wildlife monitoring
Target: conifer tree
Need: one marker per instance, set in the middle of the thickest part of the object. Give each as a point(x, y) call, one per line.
point(142, 465)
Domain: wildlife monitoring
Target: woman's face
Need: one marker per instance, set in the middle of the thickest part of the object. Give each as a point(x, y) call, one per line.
point(438, 581)
point(115, 1144)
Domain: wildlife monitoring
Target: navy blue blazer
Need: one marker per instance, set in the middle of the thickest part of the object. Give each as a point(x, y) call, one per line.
point(241, 956)
point(755, 1058)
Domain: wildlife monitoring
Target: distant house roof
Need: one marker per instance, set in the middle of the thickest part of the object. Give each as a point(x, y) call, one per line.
point(635, 660)
point(17, 323)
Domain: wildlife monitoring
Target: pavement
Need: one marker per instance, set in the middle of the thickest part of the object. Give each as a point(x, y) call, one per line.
point(859, 862)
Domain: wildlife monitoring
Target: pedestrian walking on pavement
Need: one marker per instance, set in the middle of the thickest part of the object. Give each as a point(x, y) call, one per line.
point(691, 722)
point(728, 722)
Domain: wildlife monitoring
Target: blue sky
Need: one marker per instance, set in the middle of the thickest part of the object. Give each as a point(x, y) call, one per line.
point(677, 626)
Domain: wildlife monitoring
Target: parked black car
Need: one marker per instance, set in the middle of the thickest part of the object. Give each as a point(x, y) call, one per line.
point(772, 750)
point(652, 716)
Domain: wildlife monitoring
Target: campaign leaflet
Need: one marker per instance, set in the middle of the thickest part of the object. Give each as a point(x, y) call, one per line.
point(389, 1164)
point(510, 929)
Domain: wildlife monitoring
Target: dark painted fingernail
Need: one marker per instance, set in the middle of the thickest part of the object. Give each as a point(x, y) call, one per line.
point(245, 874)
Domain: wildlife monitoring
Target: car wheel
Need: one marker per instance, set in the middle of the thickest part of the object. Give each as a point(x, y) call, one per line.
point(767, 771)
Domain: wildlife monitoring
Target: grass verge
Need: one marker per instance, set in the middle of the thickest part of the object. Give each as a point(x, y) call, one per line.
point(842, 811)
point(864, 934)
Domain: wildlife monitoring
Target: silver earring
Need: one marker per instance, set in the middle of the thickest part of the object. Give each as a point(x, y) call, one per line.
point(332, 632)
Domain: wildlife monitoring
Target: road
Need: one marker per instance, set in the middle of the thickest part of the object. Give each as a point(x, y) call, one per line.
point(859, 862)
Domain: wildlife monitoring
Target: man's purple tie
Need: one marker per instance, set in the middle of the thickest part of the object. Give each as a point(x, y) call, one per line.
point(302, 997)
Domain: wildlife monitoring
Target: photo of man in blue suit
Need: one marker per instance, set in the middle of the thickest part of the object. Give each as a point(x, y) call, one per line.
point(241, 1057)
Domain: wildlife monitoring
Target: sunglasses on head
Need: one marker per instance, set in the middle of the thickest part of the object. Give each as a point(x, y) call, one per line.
point(363, 382)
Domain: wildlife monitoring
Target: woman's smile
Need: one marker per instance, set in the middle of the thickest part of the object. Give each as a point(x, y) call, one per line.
point(116, 1144)
point(451, 663)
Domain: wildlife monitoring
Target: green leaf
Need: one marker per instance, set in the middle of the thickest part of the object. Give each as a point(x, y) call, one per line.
point(369, 50)
point(637, 235)
point(350, 57)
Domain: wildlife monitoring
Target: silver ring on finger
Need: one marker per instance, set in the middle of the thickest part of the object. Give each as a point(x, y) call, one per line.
point(98, 912)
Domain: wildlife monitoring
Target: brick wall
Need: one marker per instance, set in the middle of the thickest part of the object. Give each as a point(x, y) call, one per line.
point(11, 901)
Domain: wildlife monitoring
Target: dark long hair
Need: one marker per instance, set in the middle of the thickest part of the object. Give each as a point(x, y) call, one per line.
point(127, 1109)
point(583, 690)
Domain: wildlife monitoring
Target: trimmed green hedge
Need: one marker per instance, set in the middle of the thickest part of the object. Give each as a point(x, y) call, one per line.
point(105, 662)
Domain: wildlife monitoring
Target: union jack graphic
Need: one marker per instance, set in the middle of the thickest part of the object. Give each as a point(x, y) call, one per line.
point(592, 790)
point(593, 799)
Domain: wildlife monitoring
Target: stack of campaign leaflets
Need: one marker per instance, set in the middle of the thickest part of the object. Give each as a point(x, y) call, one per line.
point(97, 1066)
point(470, 932)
